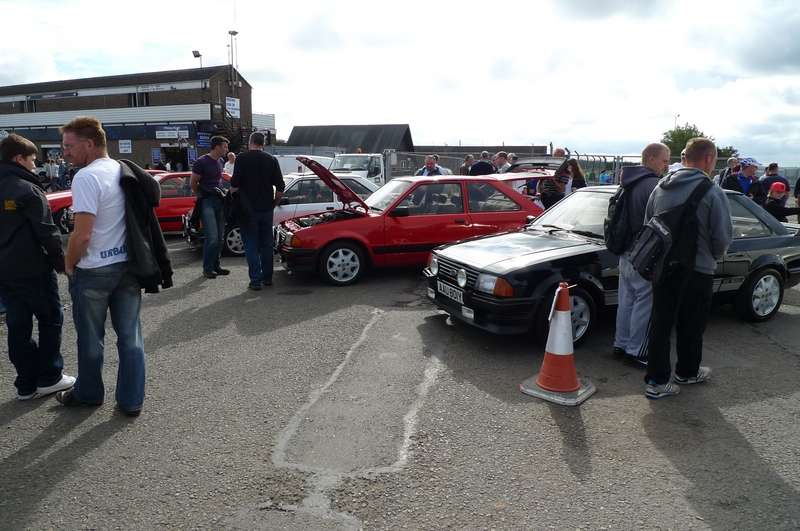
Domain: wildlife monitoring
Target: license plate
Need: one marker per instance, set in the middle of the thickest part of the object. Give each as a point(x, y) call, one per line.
point(450, 292)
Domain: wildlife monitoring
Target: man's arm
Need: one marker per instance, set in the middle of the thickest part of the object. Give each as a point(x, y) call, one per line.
point(79, 240)
point(277, 180)
point(194, 182)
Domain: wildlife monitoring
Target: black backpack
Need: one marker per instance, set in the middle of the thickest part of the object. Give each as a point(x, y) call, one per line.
point(616, 225)
point(669, 238)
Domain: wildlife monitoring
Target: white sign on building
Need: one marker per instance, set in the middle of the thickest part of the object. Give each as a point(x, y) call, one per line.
point(232, 106)
point(125, 146)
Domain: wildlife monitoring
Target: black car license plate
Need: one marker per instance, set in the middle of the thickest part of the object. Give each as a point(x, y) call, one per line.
point(450, 292)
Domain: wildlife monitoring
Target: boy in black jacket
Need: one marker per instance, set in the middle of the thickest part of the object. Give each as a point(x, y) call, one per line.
point(30, 255)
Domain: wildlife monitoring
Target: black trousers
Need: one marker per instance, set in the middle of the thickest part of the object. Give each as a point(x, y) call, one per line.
point(681, 298)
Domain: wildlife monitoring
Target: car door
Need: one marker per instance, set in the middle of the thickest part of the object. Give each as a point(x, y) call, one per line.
point(751, 236)
point(176, 200)
point(491, 210)
point(430, 214)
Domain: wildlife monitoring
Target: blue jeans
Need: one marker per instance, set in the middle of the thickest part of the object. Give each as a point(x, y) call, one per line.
point(95, 292)
point(213, 216)
point(37, 365)
point(257, 235)
point(633, 310)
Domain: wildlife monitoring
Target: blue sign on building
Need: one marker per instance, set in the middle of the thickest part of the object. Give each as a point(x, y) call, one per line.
point(192, 154)
point(155, 155)
point(203, 140)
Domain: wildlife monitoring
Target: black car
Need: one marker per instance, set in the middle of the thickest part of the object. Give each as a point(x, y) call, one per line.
point(505, 283)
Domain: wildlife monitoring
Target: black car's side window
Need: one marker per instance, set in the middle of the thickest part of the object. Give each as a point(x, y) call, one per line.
point(745, 223)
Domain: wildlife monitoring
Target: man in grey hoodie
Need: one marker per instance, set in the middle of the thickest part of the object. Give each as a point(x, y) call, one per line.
point(682, 297)
point(636, 293)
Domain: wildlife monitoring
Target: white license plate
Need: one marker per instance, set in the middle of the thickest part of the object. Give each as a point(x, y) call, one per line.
point(450, 292)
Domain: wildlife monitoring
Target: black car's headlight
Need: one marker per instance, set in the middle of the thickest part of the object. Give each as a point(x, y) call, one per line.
point(433, 264)
point(493, 285)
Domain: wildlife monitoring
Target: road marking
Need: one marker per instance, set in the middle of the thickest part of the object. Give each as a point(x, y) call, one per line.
point(322, 480)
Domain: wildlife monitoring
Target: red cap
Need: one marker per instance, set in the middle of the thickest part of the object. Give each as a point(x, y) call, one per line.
point(777, 187)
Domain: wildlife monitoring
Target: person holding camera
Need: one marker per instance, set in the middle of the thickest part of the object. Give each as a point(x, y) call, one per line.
point(206, 182)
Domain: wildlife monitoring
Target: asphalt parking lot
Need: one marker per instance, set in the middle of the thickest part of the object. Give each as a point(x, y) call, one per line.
point(306, 406)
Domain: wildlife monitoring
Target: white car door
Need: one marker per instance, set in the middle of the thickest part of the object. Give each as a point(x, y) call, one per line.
point(285, 209)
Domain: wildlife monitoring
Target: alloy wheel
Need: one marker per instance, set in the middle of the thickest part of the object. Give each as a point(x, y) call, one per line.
point(766, 294)
point(343, 265)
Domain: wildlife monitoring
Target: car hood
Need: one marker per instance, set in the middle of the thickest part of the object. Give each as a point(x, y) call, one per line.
point(513, 250)
point(343, 193)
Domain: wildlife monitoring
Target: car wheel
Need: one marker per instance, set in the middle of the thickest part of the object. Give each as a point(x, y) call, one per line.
point(342, 264)
point(584, 312)
point(60, 219)
point(234, 244)
point(759, 299)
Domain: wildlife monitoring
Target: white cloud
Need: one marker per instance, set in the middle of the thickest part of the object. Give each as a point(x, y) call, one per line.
point(595, 76)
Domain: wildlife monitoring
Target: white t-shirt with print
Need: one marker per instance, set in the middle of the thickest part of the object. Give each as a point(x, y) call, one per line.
point(96, 190)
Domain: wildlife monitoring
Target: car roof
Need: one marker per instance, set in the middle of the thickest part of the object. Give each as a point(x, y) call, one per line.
point(612, 188)
point(437, 178)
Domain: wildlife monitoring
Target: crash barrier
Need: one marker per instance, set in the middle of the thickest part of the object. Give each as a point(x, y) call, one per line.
point(558, 380)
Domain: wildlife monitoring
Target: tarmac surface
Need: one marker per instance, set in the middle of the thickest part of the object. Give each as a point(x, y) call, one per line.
point(308, 407)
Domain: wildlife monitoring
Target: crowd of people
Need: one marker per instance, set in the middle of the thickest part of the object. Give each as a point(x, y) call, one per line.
point(117, 250)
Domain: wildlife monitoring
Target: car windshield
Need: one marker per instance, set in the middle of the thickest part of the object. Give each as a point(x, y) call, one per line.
point(581, 212)
point(387, 194)
point(350, 163)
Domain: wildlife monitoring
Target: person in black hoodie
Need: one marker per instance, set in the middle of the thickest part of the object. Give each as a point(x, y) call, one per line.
point(635, 293)
point(30, 255)
point(776, 200)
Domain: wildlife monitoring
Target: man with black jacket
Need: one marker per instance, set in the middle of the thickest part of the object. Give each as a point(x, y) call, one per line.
point(255, 176)
point(635, 293)
point(112, 254)
point(30, 255)
point(776, 200)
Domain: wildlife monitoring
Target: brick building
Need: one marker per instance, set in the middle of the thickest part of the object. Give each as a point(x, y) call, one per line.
point(148, 117)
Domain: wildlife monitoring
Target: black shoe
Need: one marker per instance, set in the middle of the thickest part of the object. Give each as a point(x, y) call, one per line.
point(130, 412)
point(209, 274)
point(619, 351)
point(255, 286)
point(67, 398)
point(222, 272)
point(267, 282)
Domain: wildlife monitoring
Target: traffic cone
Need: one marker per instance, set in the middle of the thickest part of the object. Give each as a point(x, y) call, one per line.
point(557, 380)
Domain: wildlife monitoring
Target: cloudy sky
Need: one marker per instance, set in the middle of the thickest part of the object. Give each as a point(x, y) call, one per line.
point(599, 76)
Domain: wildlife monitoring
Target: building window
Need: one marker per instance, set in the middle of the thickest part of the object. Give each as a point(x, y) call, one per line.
point(30, 106)
point(138, 99)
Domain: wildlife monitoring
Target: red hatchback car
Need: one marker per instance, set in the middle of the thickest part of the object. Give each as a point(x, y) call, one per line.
point(398, 224)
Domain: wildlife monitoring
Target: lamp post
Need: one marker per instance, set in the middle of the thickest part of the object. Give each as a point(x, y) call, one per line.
point(198, 55)
point(676, 120)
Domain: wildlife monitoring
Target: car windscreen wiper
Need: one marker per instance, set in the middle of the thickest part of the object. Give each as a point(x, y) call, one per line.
point(587, 233)
point(376, 209)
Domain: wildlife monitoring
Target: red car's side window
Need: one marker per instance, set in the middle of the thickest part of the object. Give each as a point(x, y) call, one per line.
point(485, 197)
point(434, 198)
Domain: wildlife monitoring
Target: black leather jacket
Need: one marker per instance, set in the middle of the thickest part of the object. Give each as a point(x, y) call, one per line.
point(30, 243)
point(148, 259)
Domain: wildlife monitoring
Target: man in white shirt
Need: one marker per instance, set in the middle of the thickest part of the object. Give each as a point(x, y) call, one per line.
point(228, 168)
point(96, 263)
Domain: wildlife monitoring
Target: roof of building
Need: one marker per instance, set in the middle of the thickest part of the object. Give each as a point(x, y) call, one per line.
point(367, 138)
point(145, 78)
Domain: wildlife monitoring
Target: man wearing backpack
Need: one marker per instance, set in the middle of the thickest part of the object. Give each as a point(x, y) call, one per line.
point(636, 293)
point(682, 294)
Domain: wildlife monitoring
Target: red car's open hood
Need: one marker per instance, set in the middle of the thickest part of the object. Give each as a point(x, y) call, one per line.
point(345, 194)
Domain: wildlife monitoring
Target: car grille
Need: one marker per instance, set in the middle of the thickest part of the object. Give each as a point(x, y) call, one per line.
point(448, 270)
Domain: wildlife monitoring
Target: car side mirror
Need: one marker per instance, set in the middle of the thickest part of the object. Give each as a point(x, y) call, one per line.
point(529, 219)
point(400, 212)
point(284, 201)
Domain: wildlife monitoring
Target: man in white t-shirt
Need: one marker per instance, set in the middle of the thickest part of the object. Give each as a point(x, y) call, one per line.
point(96, 263)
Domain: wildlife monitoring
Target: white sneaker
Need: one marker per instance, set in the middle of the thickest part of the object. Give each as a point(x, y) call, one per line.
point(25, 397)
point(66, 382)
point(703, 374)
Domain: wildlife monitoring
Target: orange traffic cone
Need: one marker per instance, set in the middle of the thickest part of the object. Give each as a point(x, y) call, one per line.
point(557, 380)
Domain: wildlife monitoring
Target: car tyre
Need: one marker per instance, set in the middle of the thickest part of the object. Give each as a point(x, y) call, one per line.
point(234, 244)
point(342, 263)
point(760, 298)
point(584, 313)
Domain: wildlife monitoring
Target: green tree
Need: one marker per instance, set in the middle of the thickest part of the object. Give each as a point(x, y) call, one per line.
point(676, 140)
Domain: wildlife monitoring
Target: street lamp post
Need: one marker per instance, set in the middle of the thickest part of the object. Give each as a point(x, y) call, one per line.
point(676, 120)
point(198, 55)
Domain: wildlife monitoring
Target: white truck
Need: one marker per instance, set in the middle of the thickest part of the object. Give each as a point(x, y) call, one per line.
point(370, 166)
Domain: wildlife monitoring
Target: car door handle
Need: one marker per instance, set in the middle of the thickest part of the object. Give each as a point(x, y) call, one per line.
point(460, 221)
point(330, 208)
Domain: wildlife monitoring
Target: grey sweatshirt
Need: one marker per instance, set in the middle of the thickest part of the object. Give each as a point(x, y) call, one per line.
point(714, 228)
